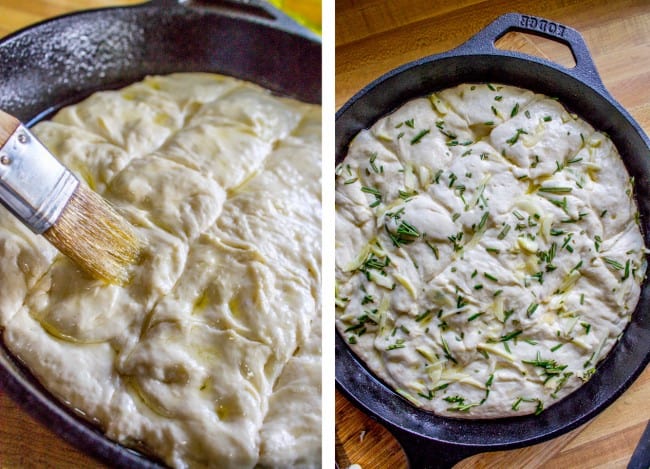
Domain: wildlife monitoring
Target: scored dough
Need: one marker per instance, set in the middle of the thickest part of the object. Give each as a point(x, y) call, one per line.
point(488, 250)
point(210, 356)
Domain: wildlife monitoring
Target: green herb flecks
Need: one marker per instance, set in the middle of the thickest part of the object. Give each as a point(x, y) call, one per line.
point(538, 409)
point(445, 349)
point(399, 343)
point(419, 136)
point(434, 249)
point(474, 316)
point(614, 263)
point(371, 161)
point(515, 110)
point(550, 368)
point(555, 189)
point(504, 232)
point(430, 395)
point(489, 276)
point(597, 242)
point(372, 191)
point(461, 405)
point(531, 309)
point(512, 140)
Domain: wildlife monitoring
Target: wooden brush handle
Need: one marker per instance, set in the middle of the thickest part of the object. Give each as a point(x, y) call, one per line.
point(8, 125)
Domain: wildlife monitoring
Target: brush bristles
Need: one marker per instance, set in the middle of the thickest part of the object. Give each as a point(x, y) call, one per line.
point(95, 236)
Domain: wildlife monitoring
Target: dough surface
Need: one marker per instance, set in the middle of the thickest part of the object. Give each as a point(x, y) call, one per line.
point(488, 250)
point(211, 355)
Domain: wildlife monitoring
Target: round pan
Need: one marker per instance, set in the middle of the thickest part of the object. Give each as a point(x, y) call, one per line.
point(432, 441)
point(61, 61)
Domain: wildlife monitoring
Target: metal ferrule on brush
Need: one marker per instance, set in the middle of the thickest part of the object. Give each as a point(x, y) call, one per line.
point(34, 186)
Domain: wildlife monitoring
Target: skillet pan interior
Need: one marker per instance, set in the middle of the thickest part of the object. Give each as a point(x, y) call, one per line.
point(62, 61)
point(421, 433)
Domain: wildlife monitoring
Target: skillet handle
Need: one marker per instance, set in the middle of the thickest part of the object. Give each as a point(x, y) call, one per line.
point(484, 42)
point(423, 453)
point(259, 10)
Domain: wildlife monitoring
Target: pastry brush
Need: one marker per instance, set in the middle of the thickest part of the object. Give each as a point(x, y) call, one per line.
point(43, 194)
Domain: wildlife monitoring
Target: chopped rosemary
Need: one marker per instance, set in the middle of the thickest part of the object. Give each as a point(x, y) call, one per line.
point(405, 233)
point(504, 232)
point(560, 383)
point(484, 218)
point(627, 270)
point(432, 392)
point(614, 263)
point(456, 241)
point(512, 140)
point(373, 157)
point(550, 367)
point(597, 242)
point(538, 409)
point(406, 196)
point(510, 336)
point(367, 299)
point(515, 110)
point(531, 309)
point(445, 348)
point(577, 266)
point(490, 277)
point(399, 343)
point(474, 316)
point(555, 189)
point(371, 190)
point(419, 136)
point(436, 253)
point(539, 276)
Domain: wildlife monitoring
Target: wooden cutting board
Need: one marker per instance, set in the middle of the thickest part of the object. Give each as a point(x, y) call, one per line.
point(373, 37)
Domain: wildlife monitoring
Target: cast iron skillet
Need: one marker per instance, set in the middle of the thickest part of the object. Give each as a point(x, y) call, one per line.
point(432, 441)
point(61, 61)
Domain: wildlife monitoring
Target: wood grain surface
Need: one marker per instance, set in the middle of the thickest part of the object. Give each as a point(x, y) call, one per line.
point(375, 36)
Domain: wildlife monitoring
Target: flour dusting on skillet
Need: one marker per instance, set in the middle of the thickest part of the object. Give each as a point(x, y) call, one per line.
point(211, 355)
point(488, 250)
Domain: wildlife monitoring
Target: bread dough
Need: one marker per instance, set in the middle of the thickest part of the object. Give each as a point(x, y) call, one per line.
point(210, 356)
point(488, 250)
